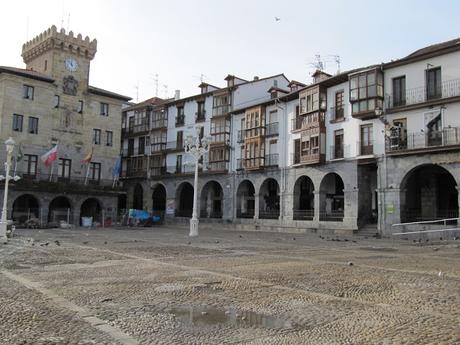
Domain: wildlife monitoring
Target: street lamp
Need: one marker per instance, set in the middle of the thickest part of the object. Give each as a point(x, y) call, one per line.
point(196, 147)
point(3, 222)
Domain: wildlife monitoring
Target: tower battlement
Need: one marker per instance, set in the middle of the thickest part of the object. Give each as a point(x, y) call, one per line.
point(54, 39)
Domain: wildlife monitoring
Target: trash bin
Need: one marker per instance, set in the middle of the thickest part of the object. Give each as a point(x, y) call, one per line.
point(87, 221)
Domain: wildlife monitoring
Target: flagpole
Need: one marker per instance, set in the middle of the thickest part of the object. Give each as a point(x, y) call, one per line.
point(51, 172)
point(87, 173)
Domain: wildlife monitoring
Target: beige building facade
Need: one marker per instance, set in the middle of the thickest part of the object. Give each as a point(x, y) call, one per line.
point(49, 103)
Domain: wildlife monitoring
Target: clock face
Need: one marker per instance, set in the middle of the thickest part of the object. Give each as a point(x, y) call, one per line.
point(71, 64)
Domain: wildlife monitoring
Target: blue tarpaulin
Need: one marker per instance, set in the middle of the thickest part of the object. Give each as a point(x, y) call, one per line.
point(139, 214)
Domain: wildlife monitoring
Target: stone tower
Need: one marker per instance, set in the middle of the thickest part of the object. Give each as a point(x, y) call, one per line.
point(63, 57)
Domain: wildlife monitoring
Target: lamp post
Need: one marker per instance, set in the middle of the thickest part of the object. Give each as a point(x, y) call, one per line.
point(3, 222)
point(196, 147)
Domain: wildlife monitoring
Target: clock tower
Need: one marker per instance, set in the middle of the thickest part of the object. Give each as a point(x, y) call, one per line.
point(62, 56)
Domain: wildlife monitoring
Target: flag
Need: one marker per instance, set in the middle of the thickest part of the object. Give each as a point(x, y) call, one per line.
point(88, 156)
point(49, 157)
point(19, 154)
point(116, 168)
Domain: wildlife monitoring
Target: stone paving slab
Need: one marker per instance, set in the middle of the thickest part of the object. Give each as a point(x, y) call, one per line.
point(157, 286)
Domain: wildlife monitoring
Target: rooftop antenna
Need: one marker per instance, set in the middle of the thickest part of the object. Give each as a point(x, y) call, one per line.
point(62, 17)
point(155, 81)
point(337, 61)
point(202, 77)
point(137, 91)
point(319, 64)
point(165, 90)
point(68, 22)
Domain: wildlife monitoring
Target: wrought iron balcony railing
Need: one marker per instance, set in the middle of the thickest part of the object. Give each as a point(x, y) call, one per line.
point(422, 140)
point(200, 116)
point(271, 160)
point(180, 120)
point(337, 114)
point(272, 129)
point(422, 94)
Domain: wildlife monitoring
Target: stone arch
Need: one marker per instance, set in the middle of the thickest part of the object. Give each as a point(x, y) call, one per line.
point(428, 192)
point(304, 199)
point(332, 205)
point(159, 199)
point(184, 200)
point(245, 200)
point(91, 207)
point(269, 199)
point(25, 207)
point(138, 197)
point(60, 208)
point(212, 196)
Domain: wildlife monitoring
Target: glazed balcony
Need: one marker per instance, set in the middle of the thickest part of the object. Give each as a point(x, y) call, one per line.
point(272, 129)
point(221, 110)
point(159, 124)
point(448, 138)
point(139, 129)
point(423, 96)
point(307, 121)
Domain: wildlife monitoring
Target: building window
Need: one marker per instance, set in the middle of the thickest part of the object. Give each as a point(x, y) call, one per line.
point(338, 144)
point(180, 119)
point(339, 105)
point(178, 164)
point(399, 91)
point(433, 83)
point(141, 146)
point(17, 122)
point(80, 107)
point(46, 65)
point(33, 125)
point(366, 140)
point(109, 135)
point(95, 171)
point(31, 163)
point(64, 168)
point(28, 92)
point(96, 136)
point(130, 146)
point(57, 100)
point(366, 91)
point(179, 140)
point(104, 109)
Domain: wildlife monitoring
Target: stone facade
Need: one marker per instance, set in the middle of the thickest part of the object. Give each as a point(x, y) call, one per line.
point(60, 108)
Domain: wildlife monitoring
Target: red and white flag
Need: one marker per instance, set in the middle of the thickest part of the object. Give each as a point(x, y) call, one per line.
point(49, 157)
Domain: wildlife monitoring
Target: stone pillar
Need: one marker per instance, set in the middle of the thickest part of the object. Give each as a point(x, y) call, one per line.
point(458, 196)
point(170, 208)
point(391, 208)
point(317, 206)
point(129, 197)
point(350, 216)
point(288, 206)
point(256, 206)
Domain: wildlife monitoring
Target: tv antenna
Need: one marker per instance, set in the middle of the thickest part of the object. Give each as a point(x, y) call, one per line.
point(137, 91)
point(202, 77)
point(155, 82)
point(318, 63)
point(165, 90)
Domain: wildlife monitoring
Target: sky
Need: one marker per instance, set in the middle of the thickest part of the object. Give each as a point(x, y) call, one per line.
point(183, 41)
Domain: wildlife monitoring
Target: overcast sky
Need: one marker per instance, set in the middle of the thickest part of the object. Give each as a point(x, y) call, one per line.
point(180, 40)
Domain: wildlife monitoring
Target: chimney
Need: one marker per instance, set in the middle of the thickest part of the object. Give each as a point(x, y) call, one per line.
point(177, 95)
point(256, 78)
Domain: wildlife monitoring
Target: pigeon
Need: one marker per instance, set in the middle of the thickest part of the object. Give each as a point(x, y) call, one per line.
point(57, 243)
point(277, 19)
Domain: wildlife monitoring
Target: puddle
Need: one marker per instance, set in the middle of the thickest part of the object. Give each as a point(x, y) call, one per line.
point(210, 316)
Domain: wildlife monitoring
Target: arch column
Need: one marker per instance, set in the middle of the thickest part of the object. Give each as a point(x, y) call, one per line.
point(317, 206)
point(288, 206)
point(350, 204)
point(256, 205)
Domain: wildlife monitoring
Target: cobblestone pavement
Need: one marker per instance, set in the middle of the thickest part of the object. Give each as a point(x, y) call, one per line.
point(157, 286)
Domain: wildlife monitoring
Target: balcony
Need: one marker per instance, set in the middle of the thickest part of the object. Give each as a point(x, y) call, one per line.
point(59, 183)
point(272, 129)
point(432, 140)
point(200, 116)
point(421, 95)
point(365, 148)
point(157, 171)
point(180, 120)
point(160, 124)
point(241, 136)
point(175, 146)
point(337, 114)
point(139, 129)
point(221, 166)
point(271, 160)
point(337, 152)
point(157, 147)
point(307, 121)
point(221, 110)
point(181, 169)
